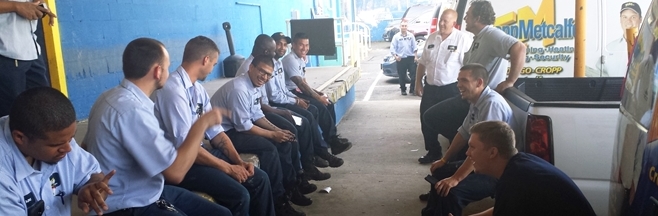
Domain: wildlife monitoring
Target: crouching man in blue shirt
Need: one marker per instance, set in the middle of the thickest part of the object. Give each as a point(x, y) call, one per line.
point(527, 184)
point(220, 172)
point(125, 135)
point(40, 160)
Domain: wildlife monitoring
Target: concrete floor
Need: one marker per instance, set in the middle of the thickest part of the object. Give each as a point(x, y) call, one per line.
point(381, 175)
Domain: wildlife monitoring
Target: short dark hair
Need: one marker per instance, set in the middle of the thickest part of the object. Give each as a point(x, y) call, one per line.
point(262, 59)
point(484, 11)
point(299, 36)
point(261, 44)
point(139, 55)
point(477, 71)
point(40, 110)
point(199, 47)
point(496, 134)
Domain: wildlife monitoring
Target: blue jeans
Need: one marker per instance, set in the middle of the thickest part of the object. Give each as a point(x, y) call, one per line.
point(253, 197)
point(176, 201)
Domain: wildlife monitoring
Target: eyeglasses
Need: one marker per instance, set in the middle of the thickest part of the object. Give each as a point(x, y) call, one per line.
point(263, 72)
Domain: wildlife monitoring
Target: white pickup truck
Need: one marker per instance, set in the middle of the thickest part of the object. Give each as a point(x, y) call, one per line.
point(571, 123)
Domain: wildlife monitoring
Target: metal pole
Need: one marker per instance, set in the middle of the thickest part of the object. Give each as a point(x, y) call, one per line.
point(581, 34)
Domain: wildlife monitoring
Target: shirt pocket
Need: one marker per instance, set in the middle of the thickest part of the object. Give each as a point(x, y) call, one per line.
point(449, 56)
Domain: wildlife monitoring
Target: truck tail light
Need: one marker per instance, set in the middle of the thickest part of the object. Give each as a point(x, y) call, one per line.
point(435, 21)
point(539, 136)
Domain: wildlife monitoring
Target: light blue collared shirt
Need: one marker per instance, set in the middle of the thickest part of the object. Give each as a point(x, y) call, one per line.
point(125, 135)
point(276, 87)
point(403, 46)
point(21, 185)
point(243, 100)
point(293, 66)
point(179, 104)
point(491, 106)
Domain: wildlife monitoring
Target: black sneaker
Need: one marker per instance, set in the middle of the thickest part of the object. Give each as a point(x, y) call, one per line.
point(424, 197)
point(306, 188)
point(404, 92)
point(285, 209)
point(313, 173)
point(319, 162)
point(338, 147)
point(429, 158)
point(332, 160)
point(297, 198)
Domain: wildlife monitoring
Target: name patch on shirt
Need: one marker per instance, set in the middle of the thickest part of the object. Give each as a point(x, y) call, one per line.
point(256, 102)
point(452, 48)
point(430, 46)
point(474, 46)
point(30, 199)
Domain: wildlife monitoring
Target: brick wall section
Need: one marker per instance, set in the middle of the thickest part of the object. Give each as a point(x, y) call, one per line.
point(94, 34)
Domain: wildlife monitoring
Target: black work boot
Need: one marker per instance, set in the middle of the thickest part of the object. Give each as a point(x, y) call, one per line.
point(304, 186)
point(319, 162)
point(313, 173)
point(339, 145)
point(403, 91)
point(332, 160)
point(297, 198)
point(283, 208)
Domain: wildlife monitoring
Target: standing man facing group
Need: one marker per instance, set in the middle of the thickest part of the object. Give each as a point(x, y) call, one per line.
point(403, 48)
point(443, 56)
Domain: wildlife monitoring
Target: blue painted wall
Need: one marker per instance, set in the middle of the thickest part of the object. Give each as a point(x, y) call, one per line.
point(94, 34)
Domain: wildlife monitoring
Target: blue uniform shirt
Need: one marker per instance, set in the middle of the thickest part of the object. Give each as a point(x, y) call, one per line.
point(125, 135)
point(293, 66)
point(489, 107)
point(276, 87)
point(179, 104)
point(242, 98)
point(403, 46)
point(21, 185)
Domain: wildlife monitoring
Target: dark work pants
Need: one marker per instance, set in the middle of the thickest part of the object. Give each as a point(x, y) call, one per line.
point(304, 155)
point(311, 114)
point(252, 197)
point(407, 65)
point(14, 79)
point(270, 154)
point(445, 118)
point(433, 95)
point(326, 116)
point(472, 188)
point(184, 202)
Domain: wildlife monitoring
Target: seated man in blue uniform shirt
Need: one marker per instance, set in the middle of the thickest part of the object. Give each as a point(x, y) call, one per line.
point(458, 186)
point(252, 133)
point(527, 184)
point(125, 135)
point(220, 172)
point(40, 160)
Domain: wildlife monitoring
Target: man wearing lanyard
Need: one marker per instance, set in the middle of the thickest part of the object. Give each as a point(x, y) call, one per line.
point(403, 48)
point(220, 172)
point(442, 57)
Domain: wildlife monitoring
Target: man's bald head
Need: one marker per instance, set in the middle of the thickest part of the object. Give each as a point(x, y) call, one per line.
point(264, 45)
point(447, 22)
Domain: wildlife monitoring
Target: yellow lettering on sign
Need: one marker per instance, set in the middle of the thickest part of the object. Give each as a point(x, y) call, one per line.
point(526, 24)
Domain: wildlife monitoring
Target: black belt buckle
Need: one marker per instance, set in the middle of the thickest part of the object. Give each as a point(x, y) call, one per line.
point(163, 204)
